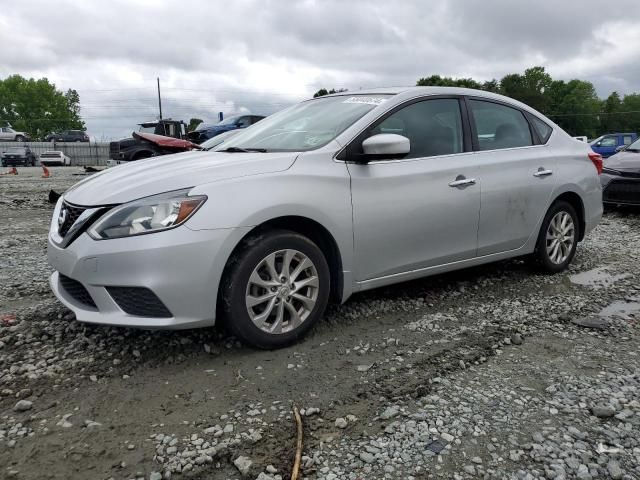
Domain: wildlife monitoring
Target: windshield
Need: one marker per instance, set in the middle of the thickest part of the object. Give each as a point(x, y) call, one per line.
point(228, 121)
point(147, 129)
point(16, 150)
point(307, 125)
point(634, 147)
point(218, 139)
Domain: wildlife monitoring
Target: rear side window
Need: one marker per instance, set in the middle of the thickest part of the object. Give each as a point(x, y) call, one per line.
point(499, 126)
point(433, 127)
point(627, 139)
point(542, 129)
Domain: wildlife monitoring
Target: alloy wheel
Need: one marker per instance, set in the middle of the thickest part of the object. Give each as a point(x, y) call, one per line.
point(282, 291)
point(560, 237)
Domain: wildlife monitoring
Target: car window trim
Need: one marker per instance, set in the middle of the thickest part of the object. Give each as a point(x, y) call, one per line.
point(347, 151)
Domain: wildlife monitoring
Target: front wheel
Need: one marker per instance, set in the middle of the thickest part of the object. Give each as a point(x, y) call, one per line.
point(19, 138)
point(558, 238)
point(275, 288)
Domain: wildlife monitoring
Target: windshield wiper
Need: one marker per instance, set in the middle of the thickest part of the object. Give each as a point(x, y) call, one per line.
point(243, 150)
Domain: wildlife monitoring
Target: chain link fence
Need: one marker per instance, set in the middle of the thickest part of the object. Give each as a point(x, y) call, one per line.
point(80, 153)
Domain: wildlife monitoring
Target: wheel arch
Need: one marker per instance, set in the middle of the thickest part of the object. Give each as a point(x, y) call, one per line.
point(573, 199)
point(314, 231)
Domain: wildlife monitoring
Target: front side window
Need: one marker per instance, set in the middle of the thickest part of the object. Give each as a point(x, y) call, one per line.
point(608, 142)
point(433, 127)
point(499, 126)
point(307, 125)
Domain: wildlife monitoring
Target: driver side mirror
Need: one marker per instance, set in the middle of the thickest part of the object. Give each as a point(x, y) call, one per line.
point(621, 148)
point(386, 145)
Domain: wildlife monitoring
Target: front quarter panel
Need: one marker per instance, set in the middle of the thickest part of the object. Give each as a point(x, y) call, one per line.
point(315, 187)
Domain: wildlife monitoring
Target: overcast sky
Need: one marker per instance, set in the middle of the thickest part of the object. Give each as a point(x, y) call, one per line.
point(259, 56)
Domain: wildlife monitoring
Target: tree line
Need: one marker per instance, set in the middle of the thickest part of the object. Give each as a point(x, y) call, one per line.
point(573, 104)
point(38, 107)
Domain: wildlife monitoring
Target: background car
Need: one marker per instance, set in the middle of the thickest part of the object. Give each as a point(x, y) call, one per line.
point(8, 134)
point(609, 144)
point(261, 232)
point(621, 177)
point(67, 136)
point(54, 158)
point(15, 156)
point(205, 131)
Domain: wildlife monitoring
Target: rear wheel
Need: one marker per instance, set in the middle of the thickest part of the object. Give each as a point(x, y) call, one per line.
point(275, 288)
point(558, 238)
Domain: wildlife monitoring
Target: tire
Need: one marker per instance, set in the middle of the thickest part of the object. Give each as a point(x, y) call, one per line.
point(248, 277)
point(19, 138)
point(549, 258)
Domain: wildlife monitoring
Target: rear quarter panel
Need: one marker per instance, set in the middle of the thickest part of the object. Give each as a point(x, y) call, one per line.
point(577, 174)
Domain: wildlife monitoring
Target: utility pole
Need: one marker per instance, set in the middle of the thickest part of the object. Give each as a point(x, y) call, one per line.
point(164, 129)
point(159, 100)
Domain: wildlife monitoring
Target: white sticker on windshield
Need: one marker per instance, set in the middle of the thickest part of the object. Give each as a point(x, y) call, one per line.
point(366, 100)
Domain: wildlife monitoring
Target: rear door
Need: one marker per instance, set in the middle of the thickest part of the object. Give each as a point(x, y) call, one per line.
point(421, 210)
point(516, 170)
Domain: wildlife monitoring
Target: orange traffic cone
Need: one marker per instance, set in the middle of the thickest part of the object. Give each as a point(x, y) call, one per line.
point(46, 173)
point(13, 171)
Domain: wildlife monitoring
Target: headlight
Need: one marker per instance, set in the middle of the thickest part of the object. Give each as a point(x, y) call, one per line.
point(147, 215)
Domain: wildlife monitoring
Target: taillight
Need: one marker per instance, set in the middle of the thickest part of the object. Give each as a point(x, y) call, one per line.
point(596, 158)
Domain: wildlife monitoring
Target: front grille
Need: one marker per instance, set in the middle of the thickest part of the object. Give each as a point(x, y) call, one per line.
point(622, 191)
point(76, 290)
point(72, 214)
point(139, 301)
point(629, 174)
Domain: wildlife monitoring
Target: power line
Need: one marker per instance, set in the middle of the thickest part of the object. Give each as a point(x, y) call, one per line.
point(592, 114)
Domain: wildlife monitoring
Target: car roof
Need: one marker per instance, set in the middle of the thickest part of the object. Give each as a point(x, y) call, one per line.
point(405, 93)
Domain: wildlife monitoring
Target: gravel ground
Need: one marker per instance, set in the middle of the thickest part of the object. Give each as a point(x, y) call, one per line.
point(492, 372)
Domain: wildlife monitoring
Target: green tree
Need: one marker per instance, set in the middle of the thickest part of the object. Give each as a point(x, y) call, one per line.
point(323, 91)
point(438, 81)
point(38, 107)
point(530, 88)
point(193, 123)
point(630, 116)
point(612, 118)
point(574, 105)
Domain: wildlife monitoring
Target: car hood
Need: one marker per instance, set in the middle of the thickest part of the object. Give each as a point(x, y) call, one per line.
point(156, 175)
point(626, 161)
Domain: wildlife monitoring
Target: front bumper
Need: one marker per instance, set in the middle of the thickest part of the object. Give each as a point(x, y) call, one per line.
point(620, 190)
point(181, 267)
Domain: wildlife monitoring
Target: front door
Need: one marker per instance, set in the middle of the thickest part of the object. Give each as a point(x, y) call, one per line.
point(421, 210)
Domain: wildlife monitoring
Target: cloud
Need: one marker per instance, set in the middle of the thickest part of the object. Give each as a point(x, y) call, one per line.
point(261, 55)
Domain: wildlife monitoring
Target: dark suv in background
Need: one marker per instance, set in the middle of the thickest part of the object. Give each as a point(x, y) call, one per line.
point(205, 131)
point(67, 136)
point(15, 156)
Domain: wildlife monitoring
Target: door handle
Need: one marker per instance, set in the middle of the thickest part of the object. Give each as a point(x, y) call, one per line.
point(543, 173)
point(461, 182)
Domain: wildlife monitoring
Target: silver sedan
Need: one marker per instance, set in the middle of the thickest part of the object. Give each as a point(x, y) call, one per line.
point(332, 196)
